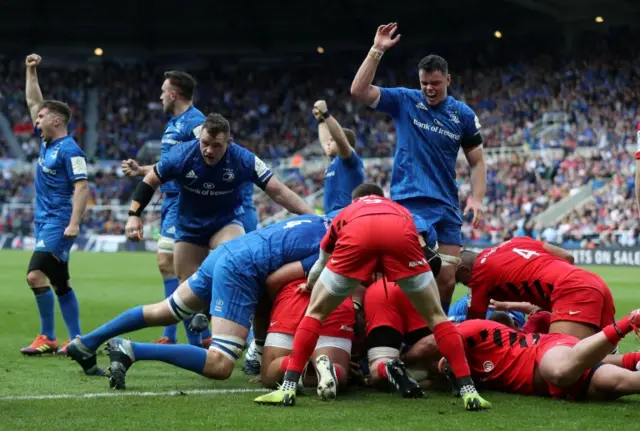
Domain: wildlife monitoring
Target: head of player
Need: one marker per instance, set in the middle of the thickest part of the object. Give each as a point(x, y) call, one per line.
point(52, 120)
point(178, 89)
point(215, 138)
point(467, 260)
point(330, 146)
point(433, 72)
point(366, 189)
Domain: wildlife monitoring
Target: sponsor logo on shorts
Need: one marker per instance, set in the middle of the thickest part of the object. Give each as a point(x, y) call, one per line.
point(273, 323)
point(219, 304)
point(417, 263)
point(346, 328)
point(488, 366)
point(571, 312)
point(172, 229)
point(194, 276)
point(40, 244)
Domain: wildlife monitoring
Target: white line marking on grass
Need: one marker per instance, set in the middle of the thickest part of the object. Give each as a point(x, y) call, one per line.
point(132, 394)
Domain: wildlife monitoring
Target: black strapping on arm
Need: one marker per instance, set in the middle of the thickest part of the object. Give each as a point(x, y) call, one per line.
point(473, 141)
point(143, 194)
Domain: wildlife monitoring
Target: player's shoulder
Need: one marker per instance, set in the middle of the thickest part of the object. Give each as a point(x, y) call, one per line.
point(183, 152)
point(194, 118)
point(240, 156)
point(460, 107)
point(69, 147)
point(525, 241)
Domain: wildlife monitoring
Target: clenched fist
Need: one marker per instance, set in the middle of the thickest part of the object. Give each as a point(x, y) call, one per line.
point(32, 60)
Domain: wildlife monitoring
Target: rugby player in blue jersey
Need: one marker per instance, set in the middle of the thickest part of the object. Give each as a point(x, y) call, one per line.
point(228, 283)
point(431, 127)
point(178, 90)
point(62, 192)
point(346, 170)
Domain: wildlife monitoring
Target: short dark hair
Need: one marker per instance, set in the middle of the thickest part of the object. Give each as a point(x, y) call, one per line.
point(59, 108)
point(502, 317)
point(215, 124)
point(351, 137)
point(183, 82)
point(433, 63)
point(366, 189)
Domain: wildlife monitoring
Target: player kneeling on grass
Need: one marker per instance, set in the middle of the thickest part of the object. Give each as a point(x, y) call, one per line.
point(229, 282)
point(332, 352)
point(557, 365)
point(373, 234)
point(391, 322)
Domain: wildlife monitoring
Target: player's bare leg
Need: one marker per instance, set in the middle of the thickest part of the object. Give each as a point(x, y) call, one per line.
point(423, 293)
point(187, 259)
point(272, 367)
point(217, 362)
point(446, 280)
point(564, 365)
point(610, 382)
point(225, 234)
point(578, 330)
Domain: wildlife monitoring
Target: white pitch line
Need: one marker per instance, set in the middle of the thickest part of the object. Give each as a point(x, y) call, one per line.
point(132, 394)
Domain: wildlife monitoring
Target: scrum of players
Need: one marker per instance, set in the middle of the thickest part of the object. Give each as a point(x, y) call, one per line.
point(373, 279)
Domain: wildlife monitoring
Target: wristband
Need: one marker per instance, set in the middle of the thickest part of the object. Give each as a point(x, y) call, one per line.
point(135, 213)
point(325, 115)
point(376, 53)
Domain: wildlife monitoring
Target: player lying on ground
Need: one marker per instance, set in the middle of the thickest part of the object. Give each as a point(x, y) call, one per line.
point(555, 365)
point(62, 192)
point(332, 353)
point(229, 282)
point(211, 172)
point(354, 249)
point(523, 269)
point(391, 323)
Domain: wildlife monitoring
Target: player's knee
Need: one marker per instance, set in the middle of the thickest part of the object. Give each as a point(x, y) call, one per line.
point(36, 279)
point(560, 375)
point(222, 356)
point(165, 265)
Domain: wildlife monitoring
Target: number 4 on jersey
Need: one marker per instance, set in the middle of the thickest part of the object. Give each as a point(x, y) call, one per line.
point(525, 253)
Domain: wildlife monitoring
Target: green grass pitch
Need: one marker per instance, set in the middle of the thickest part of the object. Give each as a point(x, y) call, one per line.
point(107, 284)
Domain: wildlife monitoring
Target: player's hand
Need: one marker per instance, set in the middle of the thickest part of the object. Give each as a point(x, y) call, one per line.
point(32, 60)
point(133, 230)
point(302, 287)
point(475, 206)
point(384, 37)
point(317, 114)
point(498, 305)
point(72, 231)
point(130, 167)
point(321, 106)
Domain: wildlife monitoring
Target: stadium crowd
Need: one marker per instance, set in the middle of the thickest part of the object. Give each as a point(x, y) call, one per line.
point(590, 103)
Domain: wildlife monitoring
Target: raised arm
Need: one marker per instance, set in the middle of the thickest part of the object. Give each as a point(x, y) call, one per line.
point(362, 88)
point(33, 94)
point(330, 128)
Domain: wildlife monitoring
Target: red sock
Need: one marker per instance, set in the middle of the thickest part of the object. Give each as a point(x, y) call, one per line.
point(304, 343)
point(285, 363)
point(382, 371)
point(338, 371)
point(630, 360)
point(450, 344)
point(618, 330)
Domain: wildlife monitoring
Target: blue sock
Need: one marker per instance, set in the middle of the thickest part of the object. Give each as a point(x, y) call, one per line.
point(195, 339)
point(129, 321)
point(70, 313)
point(190, 358)
point(445, 306)
point(206, 333)
point(170, 286)
point(46, 307)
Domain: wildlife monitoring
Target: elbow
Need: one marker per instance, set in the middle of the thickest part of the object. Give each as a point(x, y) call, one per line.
point(569, 258)
point(356, 91)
